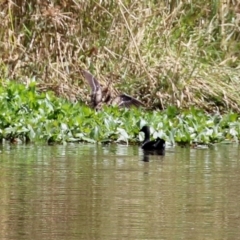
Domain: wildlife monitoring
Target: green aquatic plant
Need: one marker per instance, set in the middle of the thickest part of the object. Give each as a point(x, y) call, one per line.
point(29, 116)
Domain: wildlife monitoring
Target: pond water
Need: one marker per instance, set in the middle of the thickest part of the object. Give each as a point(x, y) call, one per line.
point(84, 191)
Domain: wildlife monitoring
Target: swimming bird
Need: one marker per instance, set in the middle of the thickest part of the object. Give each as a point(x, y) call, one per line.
point(101, 95)
point(151, 145)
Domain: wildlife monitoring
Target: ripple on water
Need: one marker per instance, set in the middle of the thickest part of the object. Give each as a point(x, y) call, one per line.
point(86, 191)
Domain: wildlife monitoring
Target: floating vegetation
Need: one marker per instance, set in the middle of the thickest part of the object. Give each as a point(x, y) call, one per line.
point(29, 116)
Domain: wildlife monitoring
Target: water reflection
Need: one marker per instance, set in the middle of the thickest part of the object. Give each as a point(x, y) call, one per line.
point(147, 154)
point(84, 191)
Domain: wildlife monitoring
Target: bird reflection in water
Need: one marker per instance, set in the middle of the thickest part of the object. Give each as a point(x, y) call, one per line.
point(147, 154)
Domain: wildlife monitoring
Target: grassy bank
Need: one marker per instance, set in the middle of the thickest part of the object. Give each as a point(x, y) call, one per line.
point(163, 52)
point(29, 116)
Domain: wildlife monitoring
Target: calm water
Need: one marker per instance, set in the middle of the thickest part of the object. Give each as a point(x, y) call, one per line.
point(107, 192)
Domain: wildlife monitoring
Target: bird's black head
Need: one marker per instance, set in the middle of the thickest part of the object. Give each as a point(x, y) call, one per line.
point(145, 129)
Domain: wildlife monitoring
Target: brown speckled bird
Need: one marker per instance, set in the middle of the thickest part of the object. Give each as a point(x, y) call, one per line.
point(101, 95)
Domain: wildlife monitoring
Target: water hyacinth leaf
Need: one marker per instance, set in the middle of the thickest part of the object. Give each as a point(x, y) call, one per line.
point(107, 123)
point(141, 136)
point(72, 139)
point(32, 133)
point(21, 129)
point(64, 126)
point(123, 136)
point(79, 135)
point(193, 136)
point(48, 106)
point(202, 138)
point(209, 131)
point(233, 132)
point(191, 130)
point(210, 123)
point(143, 122)
point(171, 136)
point(155, 134)
point(160, 125)
point(94, 134)
point(89, 140)
point(9, 130)
point(162, 134)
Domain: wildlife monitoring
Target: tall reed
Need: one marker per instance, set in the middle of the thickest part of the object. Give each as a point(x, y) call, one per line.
point(164, 52)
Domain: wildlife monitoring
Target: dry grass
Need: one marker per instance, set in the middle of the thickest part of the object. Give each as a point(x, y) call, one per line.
point(182, 54)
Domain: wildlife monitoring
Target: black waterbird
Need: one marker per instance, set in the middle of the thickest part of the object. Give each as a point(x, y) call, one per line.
point(101, 95)
point(152, 145)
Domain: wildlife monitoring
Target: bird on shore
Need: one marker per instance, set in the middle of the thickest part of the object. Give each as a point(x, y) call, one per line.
point(102, 95)
point(151, 145)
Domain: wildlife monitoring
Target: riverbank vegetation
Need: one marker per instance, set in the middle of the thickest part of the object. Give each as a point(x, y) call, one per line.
point(180, 53)
point(180, 57)
point(29, 116)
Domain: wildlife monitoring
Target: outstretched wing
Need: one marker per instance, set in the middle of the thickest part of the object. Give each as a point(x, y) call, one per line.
point(96, 94)
point(124, 100)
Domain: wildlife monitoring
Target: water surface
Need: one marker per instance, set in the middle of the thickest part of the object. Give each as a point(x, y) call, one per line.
point(86, 191)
